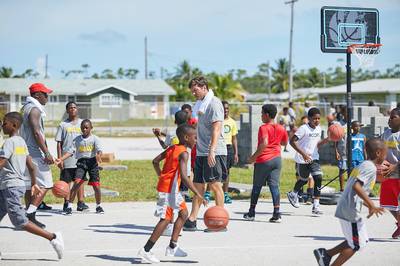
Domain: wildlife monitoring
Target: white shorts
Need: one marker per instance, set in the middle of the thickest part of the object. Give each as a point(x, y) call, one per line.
point(355, 233)
point(168, 204)
point(44, 178)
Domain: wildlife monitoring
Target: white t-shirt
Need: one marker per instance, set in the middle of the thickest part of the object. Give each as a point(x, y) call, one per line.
point(308, 141)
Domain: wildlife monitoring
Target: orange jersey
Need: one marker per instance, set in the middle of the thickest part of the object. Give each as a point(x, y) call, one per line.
point(170, 177)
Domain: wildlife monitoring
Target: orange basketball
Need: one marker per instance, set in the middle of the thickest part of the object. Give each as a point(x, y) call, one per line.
point(216, 218)
point(60, 189)
point(335, 132)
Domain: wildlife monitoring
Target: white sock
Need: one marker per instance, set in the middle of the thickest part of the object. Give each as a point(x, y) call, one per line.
point(69, 205)
point(31, 209)
point(316, 203)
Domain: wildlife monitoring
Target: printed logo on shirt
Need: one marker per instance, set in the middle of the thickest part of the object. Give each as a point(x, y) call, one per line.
point(392, 144)
point(227, 129)
point(73, 130)
point(85, 148)
point(20, 150)
point(313, 135)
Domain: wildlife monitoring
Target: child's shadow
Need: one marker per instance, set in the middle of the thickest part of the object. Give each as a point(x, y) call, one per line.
point(99, 229)
point(115, 258)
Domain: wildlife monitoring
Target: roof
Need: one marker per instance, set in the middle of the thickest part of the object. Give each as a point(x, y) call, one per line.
point(367, 86)
point(89, 86)
point(297, 94)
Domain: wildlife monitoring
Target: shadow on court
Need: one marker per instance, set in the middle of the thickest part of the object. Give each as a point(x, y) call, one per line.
point(28, 260)
point(116, 258)
point(323, 238)
point(148, 229)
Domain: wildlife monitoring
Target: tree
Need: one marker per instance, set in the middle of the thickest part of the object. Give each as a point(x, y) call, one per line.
point(107, 74)
point(6, 72)
point(131, 73)
point(225, 87)
point(280, 76)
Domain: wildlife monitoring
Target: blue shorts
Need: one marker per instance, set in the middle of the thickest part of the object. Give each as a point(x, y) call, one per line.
point(10, 203)
point(342, 164)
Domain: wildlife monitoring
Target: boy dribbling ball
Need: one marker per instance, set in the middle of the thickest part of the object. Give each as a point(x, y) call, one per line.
point(349, 207)
point(169, 198)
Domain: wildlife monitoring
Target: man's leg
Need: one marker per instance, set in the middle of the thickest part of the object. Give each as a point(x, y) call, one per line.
point(196, 203)
point(216, 187)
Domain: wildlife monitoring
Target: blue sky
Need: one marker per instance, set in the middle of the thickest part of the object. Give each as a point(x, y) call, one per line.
point(214, 35)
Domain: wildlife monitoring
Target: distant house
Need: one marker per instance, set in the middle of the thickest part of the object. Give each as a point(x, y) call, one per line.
point(98, 99)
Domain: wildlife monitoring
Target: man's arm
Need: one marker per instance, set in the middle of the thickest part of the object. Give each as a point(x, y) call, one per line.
point(35, 190)
point(215, 132)
point(59, 154)
point(34, 122)
point(3, 162)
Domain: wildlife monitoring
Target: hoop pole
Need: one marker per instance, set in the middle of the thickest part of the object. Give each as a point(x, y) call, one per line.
point(349, 111)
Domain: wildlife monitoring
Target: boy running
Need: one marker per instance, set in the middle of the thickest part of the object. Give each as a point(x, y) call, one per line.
point(14, 159)
point(306, 142)
point(268, 161)
point(349, 207)
point(67, 131)
point(169, 199)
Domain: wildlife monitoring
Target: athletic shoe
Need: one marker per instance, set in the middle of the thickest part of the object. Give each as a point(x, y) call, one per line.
point(168, 230)
point(58, 245)
point(175, 252)
point(276, 218)
point(190, 225)
point(65, 206)
point(44, 207)
point(187, 198)
point(147, 256)
point(227, 199)
point(293, 199)
point(99, 210)
point(32, 218)
point(322, 257)
point(396, 233)
point(250, 216)
point(309, 200)
point(81, 206)
point(317, 211)
point(68, 211)
point(207, 196)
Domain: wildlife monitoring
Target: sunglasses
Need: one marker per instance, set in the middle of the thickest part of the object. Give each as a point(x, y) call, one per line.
point(45, 95)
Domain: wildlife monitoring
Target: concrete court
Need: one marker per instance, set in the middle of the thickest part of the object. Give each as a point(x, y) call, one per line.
point(115, 237)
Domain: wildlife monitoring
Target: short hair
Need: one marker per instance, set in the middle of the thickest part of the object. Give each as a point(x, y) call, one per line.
point(372, 145)
point(313, 111)
point(69, 103)
point(355, 122)
point(84, 121)
point(186, 106)
point(285, 109)
point(396, 111)
point(290, 103)
point(183, 130)
point(181, 117)
point(303, 117)
point(15, 117)
point(269, 109)
point(224, 102)
point(199, 81)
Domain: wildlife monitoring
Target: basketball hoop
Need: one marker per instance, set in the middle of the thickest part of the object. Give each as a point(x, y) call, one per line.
point(366, 53)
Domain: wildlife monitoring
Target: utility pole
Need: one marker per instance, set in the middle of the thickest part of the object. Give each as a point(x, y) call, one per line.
point(46, 65)
point(145, 58)
point(269, 81)
point(290, 49)
point(162, 73)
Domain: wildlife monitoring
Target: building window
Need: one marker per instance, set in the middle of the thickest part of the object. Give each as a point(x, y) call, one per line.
point(110, 100)
point(53, 99)
point(72, 98)
point(62, 98)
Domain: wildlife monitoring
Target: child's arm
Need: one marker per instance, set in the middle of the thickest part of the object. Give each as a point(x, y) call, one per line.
point(365, 150)
point(367, 201)
point(157, 160)
point(158, 134)
point(293, 142)
point(322, 142)
point(3, 162)
point(98, 149)
point(59, 154)
point(259, 150)
point(235, 149)
point(183, 160)
point(35, 190)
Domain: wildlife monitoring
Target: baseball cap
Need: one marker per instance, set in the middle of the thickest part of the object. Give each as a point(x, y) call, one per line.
point(39, 87)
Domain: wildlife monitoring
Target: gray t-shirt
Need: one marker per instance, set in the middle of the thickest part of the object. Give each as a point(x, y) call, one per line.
point(26, 132)
point(349, 206)
point(213, 113)
point(86, 147)
point(15, 152)
point(67, 131)
point(342, 143)
point(392, 142)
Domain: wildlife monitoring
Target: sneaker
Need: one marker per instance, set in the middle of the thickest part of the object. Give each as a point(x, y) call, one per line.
point(396, 233)
point(187, 198)
point(147, 256)
point(317, 211)
point(58, 245)
point(65, 206)
point(99, 210)
point(207, 196)
point(175, 252)
point(250, 216)
point(227, 199)
point(293, 199)
point(309, 200)
point(32, 218)
point(68, 211)
point(44, 207)
point(322, 257)
point(81, 206)
point(168, 230)
point(276, 218)
point(190, 225)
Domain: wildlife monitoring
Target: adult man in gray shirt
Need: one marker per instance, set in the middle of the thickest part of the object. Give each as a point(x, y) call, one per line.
point(210, 166)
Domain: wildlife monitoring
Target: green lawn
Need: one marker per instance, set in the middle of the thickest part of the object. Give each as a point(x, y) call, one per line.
point(138, 183)
point(137, 122)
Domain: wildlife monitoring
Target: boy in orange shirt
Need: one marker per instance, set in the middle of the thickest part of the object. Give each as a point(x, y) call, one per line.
point(169, 198)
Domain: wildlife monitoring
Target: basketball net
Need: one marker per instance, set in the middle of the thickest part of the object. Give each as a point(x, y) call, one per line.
point(366, 53)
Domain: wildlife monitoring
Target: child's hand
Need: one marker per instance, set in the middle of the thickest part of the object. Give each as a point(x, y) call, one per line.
point(35, 190)
point(98, 158)
point(307, 158)
point(375, 210)
point(59, 163)
point(388, 168)
point(156, 132)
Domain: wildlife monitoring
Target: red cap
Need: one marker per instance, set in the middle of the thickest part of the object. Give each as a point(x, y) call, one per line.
point(39, 87)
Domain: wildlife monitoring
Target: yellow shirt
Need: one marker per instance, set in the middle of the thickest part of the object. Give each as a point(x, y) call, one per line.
point(230, 130)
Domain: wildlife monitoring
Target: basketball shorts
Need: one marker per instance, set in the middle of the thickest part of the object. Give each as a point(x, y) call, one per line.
point(68, 175)
point(389, 196)
point(304, 170)
point(10, 203)
point(44, 178)
point(203, 173)
point(342, 164)
point(267, 172)
point(167, 204)
point(90, 166)
point(355, 233)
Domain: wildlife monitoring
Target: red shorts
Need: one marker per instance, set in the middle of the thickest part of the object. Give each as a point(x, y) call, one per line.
point(389, 197)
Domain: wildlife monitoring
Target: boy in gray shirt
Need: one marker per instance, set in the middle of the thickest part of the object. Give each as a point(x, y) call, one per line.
point(14, 157)
point(349, 207)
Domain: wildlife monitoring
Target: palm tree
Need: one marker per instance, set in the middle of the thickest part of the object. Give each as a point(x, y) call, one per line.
point(225, 87)
point(6, 72)
point(280, 75)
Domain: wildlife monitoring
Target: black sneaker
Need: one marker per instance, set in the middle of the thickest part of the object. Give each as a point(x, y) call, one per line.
point(322, 257)
point(190, 225)
point(32, 218)
point(81, 207)
point(187, 198)
point(65, 206)
point(68, 211)
point(250, 216)
point(44, 207)
point(99, 210)
point(276, 218)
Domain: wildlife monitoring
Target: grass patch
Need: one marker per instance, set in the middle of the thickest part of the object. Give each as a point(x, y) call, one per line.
point(137, 122)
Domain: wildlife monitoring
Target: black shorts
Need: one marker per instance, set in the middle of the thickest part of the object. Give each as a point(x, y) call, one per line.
point(267, 172)
point(230, 158)
point(304, 170)
point(88, 165)
point(68, 175)
point(203, 173)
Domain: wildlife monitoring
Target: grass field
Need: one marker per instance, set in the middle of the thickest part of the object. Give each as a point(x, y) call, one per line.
point(138, 183)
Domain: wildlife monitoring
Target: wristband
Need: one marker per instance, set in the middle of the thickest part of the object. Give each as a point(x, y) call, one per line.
point(47, 154)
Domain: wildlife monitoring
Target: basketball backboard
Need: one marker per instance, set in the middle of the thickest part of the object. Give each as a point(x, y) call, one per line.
point(344, 26)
